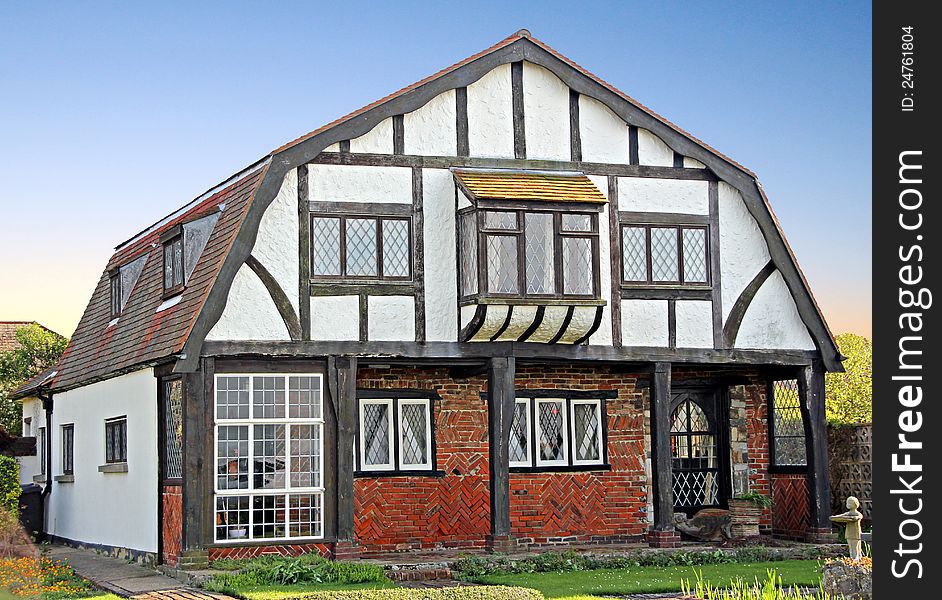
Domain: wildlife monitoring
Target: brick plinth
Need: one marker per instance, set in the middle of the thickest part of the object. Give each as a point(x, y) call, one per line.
point(816, 535)
point(663, 539)
point(500, 543)
point(346, 551)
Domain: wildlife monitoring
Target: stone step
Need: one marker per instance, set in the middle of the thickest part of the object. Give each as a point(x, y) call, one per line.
point(418, 574)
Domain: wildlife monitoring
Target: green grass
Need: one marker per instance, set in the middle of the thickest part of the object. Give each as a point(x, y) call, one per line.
point(637, 580)
point(275, 592)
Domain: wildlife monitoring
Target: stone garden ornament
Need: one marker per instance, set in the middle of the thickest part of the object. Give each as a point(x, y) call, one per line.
point(851, 521)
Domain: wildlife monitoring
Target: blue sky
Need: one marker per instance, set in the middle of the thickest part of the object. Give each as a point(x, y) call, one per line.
point(114, 114)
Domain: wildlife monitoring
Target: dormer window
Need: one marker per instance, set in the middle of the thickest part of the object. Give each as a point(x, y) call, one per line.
point(115, 286)
point(173, 261)
point(121, 282)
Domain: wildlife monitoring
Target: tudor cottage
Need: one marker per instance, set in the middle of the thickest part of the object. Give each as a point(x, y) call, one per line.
point(506, 305)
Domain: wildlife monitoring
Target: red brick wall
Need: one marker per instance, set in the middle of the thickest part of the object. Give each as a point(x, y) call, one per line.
point(604, 505)
point(790, 509)
point(237, 552)
point(757, 419)
point(172, 531)
point(399, 513)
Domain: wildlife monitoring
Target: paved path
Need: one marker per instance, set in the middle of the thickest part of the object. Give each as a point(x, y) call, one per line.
point(125, 579)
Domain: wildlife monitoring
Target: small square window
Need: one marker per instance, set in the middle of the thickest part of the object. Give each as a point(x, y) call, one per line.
point(376, 440)
point(116, 440)
point(173, 265)
point(395, 434)
point(669, 255)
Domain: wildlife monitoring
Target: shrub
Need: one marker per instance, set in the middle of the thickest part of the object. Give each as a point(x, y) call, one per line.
point(10, 484)
point(770, 589)
point(279, 570)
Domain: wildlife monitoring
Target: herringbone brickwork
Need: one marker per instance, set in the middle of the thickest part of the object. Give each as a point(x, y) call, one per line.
point(237, 552)
point(172, 534)
point(790, 509)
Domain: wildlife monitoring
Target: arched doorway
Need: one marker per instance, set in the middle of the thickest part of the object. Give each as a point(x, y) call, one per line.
point(699, 450)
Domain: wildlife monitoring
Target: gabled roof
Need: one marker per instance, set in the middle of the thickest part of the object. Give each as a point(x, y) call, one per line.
point(144, 336)
point(8, 331)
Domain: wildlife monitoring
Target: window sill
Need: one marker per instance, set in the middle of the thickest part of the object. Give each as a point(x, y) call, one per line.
point(562, 469)
point(39, 479)
point(534, 300)
point(271, 542)
point(666, 292)
point(376, 474)
point(64, 478)
point(113, 468)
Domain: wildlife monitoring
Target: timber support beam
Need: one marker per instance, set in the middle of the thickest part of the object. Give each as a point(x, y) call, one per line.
point(342, 381)
point(662, 534)
point(501, 372)
point(811, 393)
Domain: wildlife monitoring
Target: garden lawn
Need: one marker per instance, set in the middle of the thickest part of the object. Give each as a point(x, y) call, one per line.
point(637, 580)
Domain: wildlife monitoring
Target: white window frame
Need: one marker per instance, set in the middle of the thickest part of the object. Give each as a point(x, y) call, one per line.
point(528, 447)
point(250, 491)
point(598, 416)
point(390, 465)
point(427, 465)
point(560, 462)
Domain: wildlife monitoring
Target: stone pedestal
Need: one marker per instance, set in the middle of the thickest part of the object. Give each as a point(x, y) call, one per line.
point(663, 539)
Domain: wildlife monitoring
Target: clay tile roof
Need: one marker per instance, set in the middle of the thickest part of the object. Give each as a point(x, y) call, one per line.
point(142, 335)
point(496, 184)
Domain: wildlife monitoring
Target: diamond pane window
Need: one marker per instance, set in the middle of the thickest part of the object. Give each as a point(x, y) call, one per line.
point(551, 426)
point(664, 254)
point(500, 220)
point(695, 269)
point(469, 254)
point(414, 440)
point(361, 247)
point(173, 429)
point(173, 264)
point(395, 248)
point(695, 469)
point(634, 254)
point(325, 246)
point(502, 264)
point(788, 428)
point(520, 434)
point(586, 431)
point(574, 222)
point(577, 266)
point(264, 453)
point(375, 429)
point(540, 253)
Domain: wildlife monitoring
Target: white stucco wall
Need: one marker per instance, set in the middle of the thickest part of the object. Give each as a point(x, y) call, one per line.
point(693, 163)
point(391, 318)
point(378, 140)
point(694, 322)
point(772, 319)
point(250, 313)
point(653, 151)
point(603, 335)
point(114, 509)
point(348, 183)
point(431, 130)
point(335, 318)
point(441, 293)
point(276, 246)
point(545, 114)
point(490, 115)
point(604, 135)
point(644, 323)
point(663, 195)
point(743, 251)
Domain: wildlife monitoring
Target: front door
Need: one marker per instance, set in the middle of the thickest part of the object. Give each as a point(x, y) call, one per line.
point(699, 449)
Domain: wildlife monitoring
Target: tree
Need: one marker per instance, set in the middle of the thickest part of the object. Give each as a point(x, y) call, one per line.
point(849, 395)
point(38, 349)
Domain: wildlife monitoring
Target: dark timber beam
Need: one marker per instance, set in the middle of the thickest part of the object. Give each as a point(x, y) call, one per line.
point(662, 534)
point(342, 382)
point(500, 410)
point(278, 296)
point(811, 392)
point(198, 457)
point(736, 314)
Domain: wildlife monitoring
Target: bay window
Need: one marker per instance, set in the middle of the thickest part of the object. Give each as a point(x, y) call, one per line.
point(529, 253)
point(269, 457)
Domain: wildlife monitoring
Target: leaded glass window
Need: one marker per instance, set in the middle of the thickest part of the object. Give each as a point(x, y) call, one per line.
point(173, 428)
point(664, 255)
point(395, 434)
point(269, 456)
point(529, 253)
point(788, 429)
point(173, 264)
point(68, 448)
point(551, 432)
point(116, 440)
point(694, 464)
point(361, 248)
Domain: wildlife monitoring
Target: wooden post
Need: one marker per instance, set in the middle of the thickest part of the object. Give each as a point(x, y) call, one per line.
point(198, 469)
point(662, 535)
point(342, 380)
point(501, 372)
point(811, 393)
